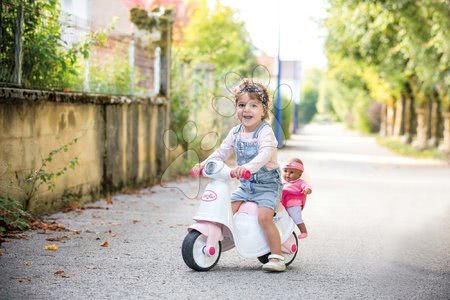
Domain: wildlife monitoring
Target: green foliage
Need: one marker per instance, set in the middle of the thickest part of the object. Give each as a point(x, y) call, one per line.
point(286, 117)
point(310, 96)
point(307, 107)
point(48, 62)
point(215, 36)
point(408, 150)
point(149, 22)
point(110, 74)
point(180, 99)
point(378, 48)
point(12, 215)
point(43, 176)
point(214, 43)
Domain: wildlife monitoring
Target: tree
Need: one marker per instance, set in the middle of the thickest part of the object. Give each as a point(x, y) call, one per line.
point(400, 51)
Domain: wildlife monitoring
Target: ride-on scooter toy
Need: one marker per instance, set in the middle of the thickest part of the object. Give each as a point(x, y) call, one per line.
point(216, 230)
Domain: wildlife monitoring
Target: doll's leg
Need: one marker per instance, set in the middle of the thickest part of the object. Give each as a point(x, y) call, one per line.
point(301, 225)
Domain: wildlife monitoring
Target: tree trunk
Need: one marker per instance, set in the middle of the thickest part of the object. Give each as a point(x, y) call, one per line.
point(408, 120)
point(399, 117)
point(390, 119)
point(422, 128)
point(383, 125)
point(435, 120)
point(445, 146)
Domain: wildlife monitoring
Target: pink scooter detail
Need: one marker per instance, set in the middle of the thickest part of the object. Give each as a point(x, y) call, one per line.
point(216, 230)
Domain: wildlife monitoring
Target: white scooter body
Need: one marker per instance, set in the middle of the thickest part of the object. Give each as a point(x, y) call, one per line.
point(215, 220)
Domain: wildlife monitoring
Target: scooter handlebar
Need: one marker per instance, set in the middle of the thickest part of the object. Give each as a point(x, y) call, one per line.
point(246, 175)
point(196, 175)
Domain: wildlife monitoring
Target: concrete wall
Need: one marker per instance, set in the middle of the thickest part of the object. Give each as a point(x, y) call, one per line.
point(120, 142)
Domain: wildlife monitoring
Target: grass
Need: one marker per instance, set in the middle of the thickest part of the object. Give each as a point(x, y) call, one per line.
point(398, 147)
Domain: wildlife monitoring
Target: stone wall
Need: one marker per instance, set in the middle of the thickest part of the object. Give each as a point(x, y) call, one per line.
point(120, 142)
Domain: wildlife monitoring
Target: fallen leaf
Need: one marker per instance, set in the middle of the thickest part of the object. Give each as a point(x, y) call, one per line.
point(38, 224)
point(136, 221)
point(51, 247)
point(75, 231)
point(109, 200)
point(61, 273)
point(94, 207)
point(104, 244)
point(57, 239)
point(14, 235)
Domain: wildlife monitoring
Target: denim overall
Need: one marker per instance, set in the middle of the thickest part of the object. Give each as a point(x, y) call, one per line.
point(264, 186)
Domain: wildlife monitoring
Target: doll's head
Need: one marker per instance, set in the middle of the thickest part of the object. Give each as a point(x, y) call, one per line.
point(254, 93)
point(293, 170)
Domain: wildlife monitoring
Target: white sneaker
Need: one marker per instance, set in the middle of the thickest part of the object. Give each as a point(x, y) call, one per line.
point(275, 266)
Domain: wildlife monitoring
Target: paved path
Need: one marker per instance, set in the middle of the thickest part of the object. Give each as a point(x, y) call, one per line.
point(378, 226)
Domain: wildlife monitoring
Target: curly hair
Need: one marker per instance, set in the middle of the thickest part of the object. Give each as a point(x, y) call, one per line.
point(255, 90)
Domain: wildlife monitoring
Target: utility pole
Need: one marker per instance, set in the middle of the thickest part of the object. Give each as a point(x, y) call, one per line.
point(278, 116)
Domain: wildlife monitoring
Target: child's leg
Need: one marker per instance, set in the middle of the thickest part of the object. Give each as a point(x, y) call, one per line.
point(235, 206)
point(265, 218)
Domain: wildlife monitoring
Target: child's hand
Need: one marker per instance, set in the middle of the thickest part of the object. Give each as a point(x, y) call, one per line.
point(307, 191)
point(195, 171)
point(238, 172)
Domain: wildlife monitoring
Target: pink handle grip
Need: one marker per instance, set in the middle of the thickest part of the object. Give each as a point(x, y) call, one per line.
point(246, 175)
point(195, 175)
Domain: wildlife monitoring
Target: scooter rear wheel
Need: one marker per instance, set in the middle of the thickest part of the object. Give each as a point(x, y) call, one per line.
point(193, 255)
point(288, 258)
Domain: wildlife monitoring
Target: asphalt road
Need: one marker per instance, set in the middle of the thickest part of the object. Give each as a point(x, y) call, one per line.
point(378, 225)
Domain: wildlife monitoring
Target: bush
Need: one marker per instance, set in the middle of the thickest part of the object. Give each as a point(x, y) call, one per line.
point(12, 215)
point(307, 107)
point(286, 118)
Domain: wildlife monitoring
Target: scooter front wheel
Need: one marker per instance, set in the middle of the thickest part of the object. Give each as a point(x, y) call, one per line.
point(288, 258)
point(193, 251)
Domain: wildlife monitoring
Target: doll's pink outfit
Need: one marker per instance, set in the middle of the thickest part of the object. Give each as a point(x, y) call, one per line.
point(293, 193)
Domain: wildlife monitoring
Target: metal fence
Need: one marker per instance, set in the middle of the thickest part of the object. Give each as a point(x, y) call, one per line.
point(56, 50)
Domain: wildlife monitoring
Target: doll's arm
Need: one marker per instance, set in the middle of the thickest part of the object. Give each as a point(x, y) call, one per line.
point(306, 188)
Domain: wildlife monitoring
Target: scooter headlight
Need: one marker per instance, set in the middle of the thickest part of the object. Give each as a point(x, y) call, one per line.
point(213, 167)
point(210, 168)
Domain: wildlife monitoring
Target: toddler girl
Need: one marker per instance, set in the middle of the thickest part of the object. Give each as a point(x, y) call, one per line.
point(255, 146)
point(294, 193)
